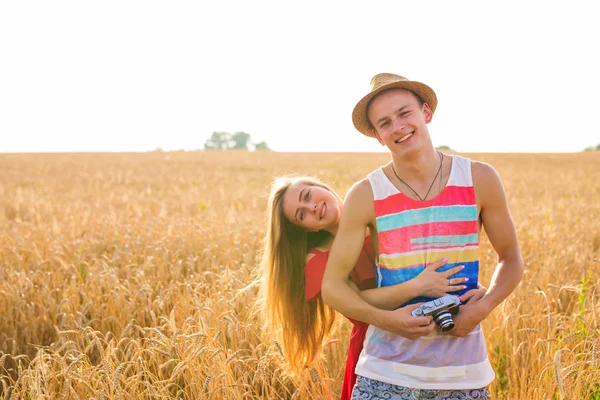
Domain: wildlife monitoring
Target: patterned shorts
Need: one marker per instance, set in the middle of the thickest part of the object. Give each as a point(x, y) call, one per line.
point(371, 389)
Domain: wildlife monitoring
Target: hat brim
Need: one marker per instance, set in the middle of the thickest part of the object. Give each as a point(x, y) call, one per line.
point(359, 114)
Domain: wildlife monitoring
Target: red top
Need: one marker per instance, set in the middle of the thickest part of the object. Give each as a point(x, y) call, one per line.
point(363, 275)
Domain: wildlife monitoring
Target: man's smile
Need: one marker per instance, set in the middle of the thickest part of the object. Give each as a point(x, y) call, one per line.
point(404, 138)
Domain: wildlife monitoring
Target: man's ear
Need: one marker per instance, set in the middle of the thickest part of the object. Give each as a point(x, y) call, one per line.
point(428, 113)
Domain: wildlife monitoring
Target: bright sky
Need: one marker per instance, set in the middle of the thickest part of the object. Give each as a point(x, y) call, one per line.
point(511, 76)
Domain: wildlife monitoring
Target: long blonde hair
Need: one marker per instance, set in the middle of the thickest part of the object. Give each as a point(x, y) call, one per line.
point(302, 326)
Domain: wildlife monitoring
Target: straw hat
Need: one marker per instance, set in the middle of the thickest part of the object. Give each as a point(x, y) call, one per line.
point(385, 81)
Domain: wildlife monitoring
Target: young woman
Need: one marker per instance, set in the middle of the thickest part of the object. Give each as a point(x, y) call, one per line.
point(303, 218)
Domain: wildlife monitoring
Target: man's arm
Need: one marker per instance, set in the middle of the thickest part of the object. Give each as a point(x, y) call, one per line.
point(500, 230)
point(357, 215)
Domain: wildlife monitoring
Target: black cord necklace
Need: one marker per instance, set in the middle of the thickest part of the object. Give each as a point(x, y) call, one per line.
point(432, 182)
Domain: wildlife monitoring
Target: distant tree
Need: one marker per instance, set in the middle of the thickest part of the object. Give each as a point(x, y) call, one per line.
point(592, 148)
point(238, 140)
point(444, 147)
point(241, 140)
point(219, 141)
point(261, 146)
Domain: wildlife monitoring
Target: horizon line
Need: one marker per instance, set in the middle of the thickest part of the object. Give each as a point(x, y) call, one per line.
point(275, 151)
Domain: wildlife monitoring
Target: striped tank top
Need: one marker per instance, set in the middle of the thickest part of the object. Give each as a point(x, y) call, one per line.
point(411, 235)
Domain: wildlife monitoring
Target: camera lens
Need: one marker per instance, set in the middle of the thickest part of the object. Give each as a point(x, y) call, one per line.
point(444, 321)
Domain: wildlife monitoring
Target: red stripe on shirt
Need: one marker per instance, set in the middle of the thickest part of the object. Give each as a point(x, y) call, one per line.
point(450, 196)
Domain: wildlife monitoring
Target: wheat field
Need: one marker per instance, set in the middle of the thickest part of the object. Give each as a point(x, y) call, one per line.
point(135, 276)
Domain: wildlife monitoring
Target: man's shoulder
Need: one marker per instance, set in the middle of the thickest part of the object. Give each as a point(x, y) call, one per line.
point(359, 200)
point(486, 182)
point(360, 190)
point(483, 172)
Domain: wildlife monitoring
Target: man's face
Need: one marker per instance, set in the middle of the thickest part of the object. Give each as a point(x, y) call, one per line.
point(399, 120)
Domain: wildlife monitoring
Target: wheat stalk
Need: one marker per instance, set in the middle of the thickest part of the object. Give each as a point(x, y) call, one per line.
point(558, 374)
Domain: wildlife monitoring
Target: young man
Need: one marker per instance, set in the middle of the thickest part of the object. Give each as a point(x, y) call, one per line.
point(420, 207)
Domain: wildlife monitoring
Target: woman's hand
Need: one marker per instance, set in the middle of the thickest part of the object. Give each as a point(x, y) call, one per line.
point(429, 283)
point(473, 295)
point(436, 284)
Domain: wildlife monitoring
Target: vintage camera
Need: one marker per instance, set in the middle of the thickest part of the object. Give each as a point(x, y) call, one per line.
point(441, 310)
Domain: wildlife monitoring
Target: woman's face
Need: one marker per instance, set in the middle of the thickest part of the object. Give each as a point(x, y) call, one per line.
point(311, 207)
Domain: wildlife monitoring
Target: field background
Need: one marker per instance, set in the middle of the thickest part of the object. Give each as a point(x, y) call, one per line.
point(133, 276)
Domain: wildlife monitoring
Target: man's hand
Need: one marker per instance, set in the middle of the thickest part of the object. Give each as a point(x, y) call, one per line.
point(469, 315)
point(401, 322)
point(473, 295)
